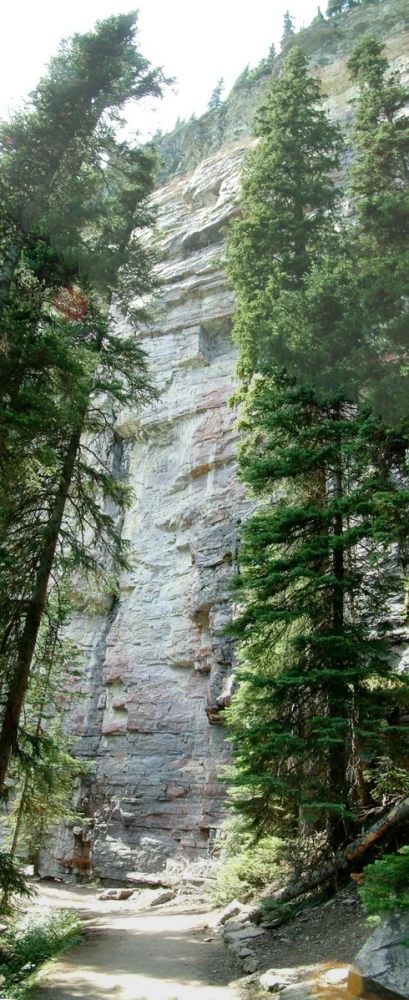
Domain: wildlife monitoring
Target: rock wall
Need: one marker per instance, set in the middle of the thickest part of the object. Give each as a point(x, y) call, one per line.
point(158, 671)
point(158, 667)
point(327, 44)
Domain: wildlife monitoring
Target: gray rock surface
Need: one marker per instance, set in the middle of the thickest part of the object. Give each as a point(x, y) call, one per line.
point(277, 979)
point(297, 991)
point(244, 934)
point(144, 881)
point(157, 673)
point(157, 666)
point(381, 968)
point(116, 894)
point(230, 911)
point(159, 896)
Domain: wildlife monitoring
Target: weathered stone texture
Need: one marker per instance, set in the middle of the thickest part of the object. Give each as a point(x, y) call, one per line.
point(381, 968)
point(158, 668)
point(157, 663)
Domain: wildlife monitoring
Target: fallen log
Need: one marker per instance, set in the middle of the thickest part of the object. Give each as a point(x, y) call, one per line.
point(343, 859)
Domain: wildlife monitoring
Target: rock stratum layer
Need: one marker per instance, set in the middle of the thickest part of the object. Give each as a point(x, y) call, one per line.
point(158, 671)
point(158, 666)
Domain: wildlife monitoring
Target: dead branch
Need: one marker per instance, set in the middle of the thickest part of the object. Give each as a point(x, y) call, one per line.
point(343, 859)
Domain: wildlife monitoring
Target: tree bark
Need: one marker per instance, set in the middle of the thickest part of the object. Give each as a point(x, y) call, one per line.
point(8, 270)
point(21, 672)
point(337, 755)
point(398, 814)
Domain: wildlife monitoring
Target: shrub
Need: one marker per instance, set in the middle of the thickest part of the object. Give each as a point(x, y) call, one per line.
point(245, 865)
point(386, 884)
point(31, 943)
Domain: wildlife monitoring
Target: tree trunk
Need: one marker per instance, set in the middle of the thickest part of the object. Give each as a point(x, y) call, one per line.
point(8, 270)
point(337, 754)
point(398, 814)
point(26, 646)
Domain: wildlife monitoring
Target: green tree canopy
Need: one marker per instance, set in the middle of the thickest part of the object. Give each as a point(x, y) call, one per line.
point(288, 26)
point(287, 195)
point(74, 202)
point(319, 701)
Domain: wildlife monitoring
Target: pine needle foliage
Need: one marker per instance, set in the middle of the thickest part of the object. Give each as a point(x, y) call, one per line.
point(74, 202)
point(316, 584)
point(385, 886)
point(318, 707)
point(286, 197)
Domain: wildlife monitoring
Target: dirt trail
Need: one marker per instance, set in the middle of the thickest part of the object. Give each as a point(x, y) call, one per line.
point(134, 955)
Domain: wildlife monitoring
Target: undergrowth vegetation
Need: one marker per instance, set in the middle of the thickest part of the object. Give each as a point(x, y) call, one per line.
point(26, 946)
point(246, 866)
point(385, 887)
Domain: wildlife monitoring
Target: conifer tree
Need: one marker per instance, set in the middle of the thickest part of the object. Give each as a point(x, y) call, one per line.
point(288, 26)
point(286, 197)
point(319, 17)
point(61, 355)
point(311, 719)
point(216, 97)
point(379, 184)
point(62, 128)
point(316, 580)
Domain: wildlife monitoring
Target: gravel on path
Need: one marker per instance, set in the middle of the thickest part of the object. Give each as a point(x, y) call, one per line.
point(134, 955)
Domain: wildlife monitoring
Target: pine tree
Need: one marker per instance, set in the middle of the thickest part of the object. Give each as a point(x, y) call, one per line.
point(46, 772)
point(311, 720)
point(319, 17)
point(216, 97)
point(316, 581)
point(379, 184)
point(347, 324)
point(62, 130)
point(272, 54)
point(286, 197)
point(288, 27)
point(85, 234)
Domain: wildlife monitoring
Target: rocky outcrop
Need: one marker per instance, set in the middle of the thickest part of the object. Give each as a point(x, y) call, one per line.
point(158, 666)
point(157, 670)
point(381, 968)
point(327, 44)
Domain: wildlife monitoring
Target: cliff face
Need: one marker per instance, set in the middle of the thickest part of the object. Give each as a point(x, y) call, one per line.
point(158, 667)
point(327, 44)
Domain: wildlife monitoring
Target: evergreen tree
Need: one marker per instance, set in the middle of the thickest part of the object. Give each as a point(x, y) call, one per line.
point(62, 128)
point(60, 348)
point(272, 54)
point(347, 325)
point(216, 97)
point(310, 723)
point(379, 183)
point(319, 17)
point(46, 772)
point(312, 718)
point(288, 27)
point(286, 197)
point(379, 179)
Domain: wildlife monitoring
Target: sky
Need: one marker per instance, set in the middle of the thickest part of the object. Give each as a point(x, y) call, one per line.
point(195, 42)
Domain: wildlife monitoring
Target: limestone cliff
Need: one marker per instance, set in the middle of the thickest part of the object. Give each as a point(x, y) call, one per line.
point(158, 665)
point(157, 673)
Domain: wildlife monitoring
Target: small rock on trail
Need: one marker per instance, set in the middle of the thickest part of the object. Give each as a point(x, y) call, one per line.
point(134, 955)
